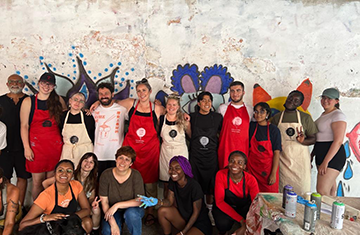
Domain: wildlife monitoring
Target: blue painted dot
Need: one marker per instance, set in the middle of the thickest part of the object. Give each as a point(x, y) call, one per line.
point(132, 88)
point(73, 47)
point(111, 64)
point(50, 65)
point(81, 55)
point(132, 69)
point(122, 79)
point(116, 90)
point(116, 83)
point(119, 63)
point(18, 72)
point(73, 60)
point(106, 69)
point(85, 63)
point(41, 57)
point(68, 75)
point(26, 89)
point(43, 68)
point(127, 73)
point(116, 76)
point(94, 78)
point(132, 81)
point(89, 71)
point(74, 71)
point(62, 73)
point(74, 78)
point(26, 76)
point(41, 63)
point(74, 65)
point(121, 84)
point(54, 69)
point(99, 74)
point(131, 95)
point(33, 83)
point(118, 71)
point(70, 54)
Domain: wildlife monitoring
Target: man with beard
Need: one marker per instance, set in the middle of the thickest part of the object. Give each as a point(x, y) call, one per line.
point(109, 127)
point(13, 155)
point(297, 132)
point(234, 134)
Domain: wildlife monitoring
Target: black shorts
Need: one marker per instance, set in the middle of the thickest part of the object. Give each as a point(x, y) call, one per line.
point(14, 159)
point(337, 162)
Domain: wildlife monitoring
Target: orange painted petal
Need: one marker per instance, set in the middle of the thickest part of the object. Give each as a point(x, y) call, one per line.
point(260, 95)
point(306, 88)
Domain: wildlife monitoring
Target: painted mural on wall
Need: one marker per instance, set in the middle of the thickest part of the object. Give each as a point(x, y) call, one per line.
point(353, 142)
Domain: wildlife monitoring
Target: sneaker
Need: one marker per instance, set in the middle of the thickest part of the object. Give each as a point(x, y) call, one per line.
point(211, 217)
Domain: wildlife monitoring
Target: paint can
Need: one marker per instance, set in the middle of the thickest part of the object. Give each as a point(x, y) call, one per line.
point(337, 215)
point(290, 204)
point(287, 188)
point(307, 196)
point(310, 216)
point(317, 198)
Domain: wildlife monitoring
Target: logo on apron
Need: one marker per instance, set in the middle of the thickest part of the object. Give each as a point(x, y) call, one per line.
point(74, 139)
point(46, 123)
point(290, 131)
point(261, 148)
point(141, 133)
point(237, 121)
point(204, 141)
point(173, 133)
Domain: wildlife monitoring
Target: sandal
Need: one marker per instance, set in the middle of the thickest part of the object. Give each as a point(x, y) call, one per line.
point(150, 219)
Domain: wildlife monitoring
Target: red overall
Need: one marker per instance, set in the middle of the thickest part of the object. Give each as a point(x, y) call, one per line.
point(260, 162)
point(142, 137)
point(234, 134)
point(45, 142)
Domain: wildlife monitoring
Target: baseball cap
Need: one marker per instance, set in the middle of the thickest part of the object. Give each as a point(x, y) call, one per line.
point(48, 77)
point(332, 93)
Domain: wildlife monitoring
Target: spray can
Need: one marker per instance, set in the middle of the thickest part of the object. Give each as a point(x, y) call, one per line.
point(317, 198)
point(310, 216)
point(290, 204)
point(337, 215)
point(287, 188)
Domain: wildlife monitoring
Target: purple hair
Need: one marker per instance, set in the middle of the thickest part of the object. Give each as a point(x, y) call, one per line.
point(184, 164)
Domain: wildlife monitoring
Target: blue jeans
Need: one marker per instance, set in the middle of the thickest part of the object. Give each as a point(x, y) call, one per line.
point(132, 216)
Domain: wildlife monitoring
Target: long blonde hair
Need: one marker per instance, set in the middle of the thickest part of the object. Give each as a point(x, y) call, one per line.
point(180, 121)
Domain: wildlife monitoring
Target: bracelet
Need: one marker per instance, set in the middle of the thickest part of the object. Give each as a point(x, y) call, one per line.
point(181, 233)
point(42, 218)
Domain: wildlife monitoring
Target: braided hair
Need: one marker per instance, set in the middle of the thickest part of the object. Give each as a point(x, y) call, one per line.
point(184, 164)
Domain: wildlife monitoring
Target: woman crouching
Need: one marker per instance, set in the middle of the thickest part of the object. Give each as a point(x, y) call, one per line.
point(60, 200)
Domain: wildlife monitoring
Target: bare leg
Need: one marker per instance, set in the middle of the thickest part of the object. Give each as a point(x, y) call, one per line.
point(326, 184)
point(22, 184)
point(50, 174)
point(38, 178)
point(170, 216)
point(166, 189)
point(87, 224)
point(96, 217)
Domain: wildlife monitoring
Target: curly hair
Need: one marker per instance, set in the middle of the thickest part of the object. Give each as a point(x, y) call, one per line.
point(91, 180)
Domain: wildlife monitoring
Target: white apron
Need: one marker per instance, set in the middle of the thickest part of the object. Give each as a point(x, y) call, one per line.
point(76, 140)
point(294, 159)
point(173, 144)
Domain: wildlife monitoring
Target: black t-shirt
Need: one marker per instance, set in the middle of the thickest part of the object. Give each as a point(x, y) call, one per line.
point(205, 122)
point(75, 119)
point(41, 104)
point(186, 196)
point(261, 134)
point(11, 118)
point(131, 112)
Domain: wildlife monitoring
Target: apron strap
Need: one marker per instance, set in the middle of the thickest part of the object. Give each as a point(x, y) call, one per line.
point(56, 194)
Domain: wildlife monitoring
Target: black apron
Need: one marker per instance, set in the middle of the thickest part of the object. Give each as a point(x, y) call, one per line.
point(240, 205)
point(70, 209)
point(203, 153)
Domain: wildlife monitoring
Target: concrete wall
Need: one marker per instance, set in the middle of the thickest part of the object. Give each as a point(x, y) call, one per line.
point(277, 44)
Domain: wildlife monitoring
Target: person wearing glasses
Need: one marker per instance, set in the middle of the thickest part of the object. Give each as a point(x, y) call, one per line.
point(13, 155)
point(60, 200)
point(40, 134)
point(77, 130)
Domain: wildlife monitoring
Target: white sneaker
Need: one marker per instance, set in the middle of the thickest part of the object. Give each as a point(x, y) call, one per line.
point(211, 217)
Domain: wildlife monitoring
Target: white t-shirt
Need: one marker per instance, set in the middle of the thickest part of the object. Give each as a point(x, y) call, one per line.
point(223, 107)
point(323, 124)
point(2, 136)
point(109, 130)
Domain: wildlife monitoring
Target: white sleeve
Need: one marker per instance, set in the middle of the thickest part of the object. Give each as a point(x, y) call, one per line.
point(338, 117)
point(222, 109)
point(2, 136)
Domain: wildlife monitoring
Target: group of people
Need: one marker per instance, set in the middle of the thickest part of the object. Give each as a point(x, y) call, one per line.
point(233, 154)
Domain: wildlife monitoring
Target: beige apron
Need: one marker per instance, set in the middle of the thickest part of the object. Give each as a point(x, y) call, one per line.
point(173, 144)
point(76, 140)
point(294, 159)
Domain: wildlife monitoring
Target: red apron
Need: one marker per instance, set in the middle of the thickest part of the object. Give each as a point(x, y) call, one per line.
point(260, 162)
point(234, 134)
point(45, 142)
point(142, 137)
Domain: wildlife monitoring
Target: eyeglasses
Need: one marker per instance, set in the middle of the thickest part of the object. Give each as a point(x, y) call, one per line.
point(15, 82)
point(260, 112)
point(61, 170)
point(78, 100)
point(47, 84)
